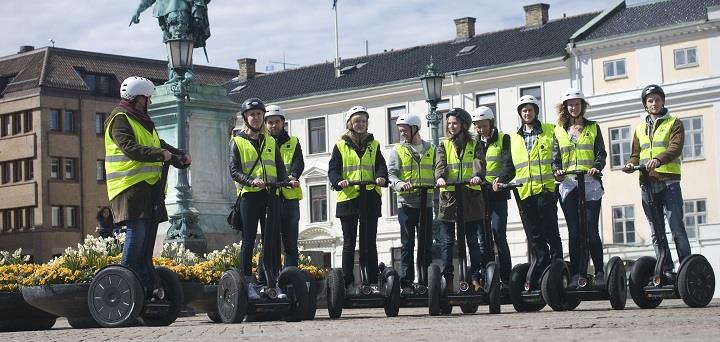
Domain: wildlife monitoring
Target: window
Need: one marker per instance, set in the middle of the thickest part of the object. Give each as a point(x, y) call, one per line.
point(28, 121)
point(29, 170)
point(29, 217)
point(442, 108)
point(620, 146)
point(685, 58)
point(71, 217)
point(317, 135)
point(392, 114)
point(4, 125)
point(695, 214)
point(393, 202)
point(55, 120)
point(54, 168)
point(18, 218)
point(99, 123)
point(69, 121)
point(56, 216)
point(6, 220)
point(100, 84)
point(16, 123)
point(693, 146)
point(5, 172)
point(624, 224)
point(100, 170)
point(488, 100)
point(70, 169)
point(17, 171)
point(318, 203)
point(614, 69)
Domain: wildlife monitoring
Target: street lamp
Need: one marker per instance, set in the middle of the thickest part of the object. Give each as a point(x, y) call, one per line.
point(432, 83)
point(184, 223)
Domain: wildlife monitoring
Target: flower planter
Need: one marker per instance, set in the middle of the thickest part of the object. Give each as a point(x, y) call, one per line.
point(63, 300)
point(17, 315)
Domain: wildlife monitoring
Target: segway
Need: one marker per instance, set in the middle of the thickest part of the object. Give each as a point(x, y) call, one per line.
point(388, 296)
point(419, 297)
point(522, 296)
point(116, 297)
point(490, 246)
point(439, 300)
point(650, 282)
point(561, 293)
point(291, 303)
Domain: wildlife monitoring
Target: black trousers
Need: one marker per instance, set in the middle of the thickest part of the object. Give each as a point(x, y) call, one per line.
point(368, 249)
point(543, 235)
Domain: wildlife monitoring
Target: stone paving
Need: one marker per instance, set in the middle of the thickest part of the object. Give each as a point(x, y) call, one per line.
point(591, 321)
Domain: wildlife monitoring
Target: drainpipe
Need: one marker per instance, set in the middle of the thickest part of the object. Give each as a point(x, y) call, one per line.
point(576, 61)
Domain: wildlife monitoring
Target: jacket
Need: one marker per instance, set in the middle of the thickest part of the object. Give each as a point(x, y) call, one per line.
point(474, 208)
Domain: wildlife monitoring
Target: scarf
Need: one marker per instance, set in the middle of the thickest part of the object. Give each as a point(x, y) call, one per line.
point(138, 115)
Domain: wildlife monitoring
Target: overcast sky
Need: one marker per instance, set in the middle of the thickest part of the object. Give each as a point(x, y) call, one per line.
point(265, 29)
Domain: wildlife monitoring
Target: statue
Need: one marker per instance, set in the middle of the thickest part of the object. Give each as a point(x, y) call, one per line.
point(179, 19)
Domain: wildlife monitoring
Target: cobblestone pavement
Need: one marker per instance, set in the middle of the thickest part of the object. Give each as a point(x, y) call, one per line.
point(591, 321)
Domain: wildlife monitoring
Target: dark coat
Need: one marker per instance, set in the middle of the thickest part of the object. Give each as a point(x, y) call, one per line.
point(473, 204)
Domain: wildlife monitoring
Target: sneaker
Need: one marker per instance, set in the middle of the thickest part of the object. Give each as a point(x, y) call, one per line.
point(252, 292)
point(600, 279)
point(280, 294)
point(407, 291)
point(375, 289)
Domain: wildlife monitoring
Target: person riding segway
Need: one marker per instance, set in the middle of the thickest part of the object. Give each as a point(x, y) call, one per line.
point(578, 157)
point(411, 169)
point(257, 166)
point(357, 170)
point(656, 151)
point(136, 164)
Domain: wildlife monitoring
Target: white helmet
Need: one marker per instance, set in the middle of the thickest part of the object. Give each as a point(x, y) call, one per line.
point(135, 86)
point(482, 113)
point(354, 110)
point(410, 120)
point(573, 93)
point(528, 99)
point(274, 110)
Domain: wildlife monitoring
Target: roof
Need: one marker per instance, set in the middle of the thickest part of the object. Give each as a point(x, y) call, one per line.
point(507, 47)
point(58, 68)
point(647, 16)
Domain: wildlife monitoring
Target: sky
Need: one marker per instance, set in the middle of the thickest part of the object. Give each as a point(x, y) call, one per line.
point(300, 31)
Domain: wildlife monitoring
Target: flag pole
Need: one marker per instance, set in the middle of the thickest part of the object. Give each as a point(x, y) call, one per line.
point(337, 42)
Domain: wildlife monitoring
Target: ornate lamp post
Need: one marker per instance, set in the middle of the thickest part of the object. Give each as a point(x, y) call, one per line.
point(184, 223)
point(432, 82)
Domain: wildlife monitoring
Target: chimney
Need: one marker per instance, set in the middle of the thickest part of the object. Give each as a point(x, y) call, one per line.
point(246, 68)
point(26, 48)
point(536, 14)
point(464, 28)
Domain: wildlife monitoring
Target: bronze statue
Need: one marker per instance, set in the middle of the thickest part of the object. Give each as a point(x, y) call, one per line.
point(179, 19)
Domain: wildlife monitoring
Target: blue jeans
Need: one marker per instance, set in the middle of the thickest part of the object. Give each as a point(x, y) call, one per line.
point(668, 203)
point(592, 216)
point(288, 234)
point(498, 220)
point(409, 219)
point(473, 243)
point(541, 229)
point(136, 249)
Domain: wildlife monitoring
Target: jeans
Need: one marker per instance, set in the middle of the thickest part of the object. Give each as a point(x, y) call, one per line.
point(592, 217)
point(668, 203)
point(137, 251)
point(498, 220)
point(288, 234)
point(368, 254)
point(473, 243)
point(252, 211)
point(409, 219)
point(542, 232)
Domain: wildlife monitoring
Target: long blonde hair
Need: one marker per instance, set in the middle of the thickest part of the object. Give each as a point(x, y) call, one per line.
point(563, 115)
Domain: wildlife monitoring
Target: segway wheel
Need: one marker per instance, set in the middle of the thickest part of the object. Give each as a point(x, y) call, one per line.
point(434, 290)
point(116, 297)
point(640, 276)
point(616, 283)
point(392, 292)
point(82, 322)
point(553, 285)
point(312, 296)
point(173, 294)
point(516, 286)
point(232, 297)
point(214, 316)
point(571, 302)
point(292, 281)
point(494, 291)
point(469, 308)
point(335, 287)
point(696, 281)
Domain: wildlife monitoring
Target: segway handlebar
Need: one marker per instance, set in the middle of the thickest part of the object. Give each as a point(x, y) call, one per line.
point(510, 186)
point(366, 183)
point(580, 172)
point(640, 168)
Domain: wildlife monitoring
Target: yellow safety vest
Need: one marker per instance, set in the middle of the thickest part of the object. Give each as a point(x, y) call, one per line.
point(419, 173)
point(659, 144)
point(578, 156)
point(356, 168)
point(493, 155)
point(287, 150)
point(265, 167)
point(121, 172)
point(533, 169)
point(459, 170)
